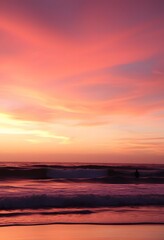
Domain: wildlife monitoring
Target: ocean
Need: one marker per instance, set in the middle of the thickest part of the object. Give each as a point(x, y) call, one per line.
point(74, 193)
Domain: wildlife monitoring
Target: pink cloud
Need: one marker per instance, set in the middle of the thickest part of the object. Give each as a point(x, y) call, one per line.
point(81, 62)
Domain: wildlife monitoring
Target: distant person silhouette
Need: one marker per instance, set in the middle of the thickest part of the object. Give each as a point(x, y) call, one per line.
point(137, 174)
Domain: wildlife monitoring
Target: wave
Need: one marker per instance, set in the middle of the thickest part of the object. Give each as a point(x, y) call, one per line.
point(16, 214)
point(45, 201)
point(76, 173)
point(79, 223)
point(101, 173)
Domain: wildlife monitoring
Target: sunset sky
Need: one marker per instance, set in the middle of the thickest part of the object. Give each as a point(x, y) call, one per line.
point(82, 77)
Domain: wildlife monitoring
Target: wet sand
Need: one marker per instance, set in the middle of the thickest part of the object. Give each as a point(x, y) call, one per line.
point(83, 232)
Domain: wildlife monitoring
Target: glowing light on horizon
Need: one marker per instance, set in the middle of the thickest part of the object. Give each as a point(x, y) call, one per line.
point(10, 126)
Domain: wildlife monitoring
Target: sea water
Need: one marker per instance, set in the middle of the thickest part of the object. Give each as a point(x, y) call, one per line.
point(49, 193)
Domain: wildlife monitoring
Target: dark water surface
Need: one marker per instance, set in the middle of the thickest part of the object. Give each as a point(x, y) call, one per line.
point(44, 193)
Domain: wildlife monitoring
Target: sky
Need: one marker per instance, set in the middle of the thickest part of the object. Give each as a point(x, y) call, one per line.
point(83, 79)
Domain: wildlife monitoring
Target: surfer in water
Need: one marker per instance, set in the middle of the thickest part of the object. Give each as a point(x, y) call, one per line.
point(137, 174)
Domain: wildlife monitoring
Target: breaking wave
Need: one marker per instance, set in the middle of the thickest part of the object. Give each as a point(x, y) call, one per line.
point(101, 173)
point(82, 201)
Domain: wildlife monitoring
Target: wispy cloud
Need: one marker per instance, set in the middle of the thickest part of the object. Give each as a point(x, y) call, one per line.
point(90, 64)
point(33, 132)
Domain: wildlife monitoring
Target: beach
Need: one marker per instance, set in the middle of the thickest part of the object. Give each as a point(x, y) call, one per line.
point(83, 232)
point(81, 120)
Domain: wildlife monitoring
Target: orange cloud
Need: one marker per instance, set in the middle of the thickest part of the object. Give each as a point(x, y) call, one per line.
point(79, 64)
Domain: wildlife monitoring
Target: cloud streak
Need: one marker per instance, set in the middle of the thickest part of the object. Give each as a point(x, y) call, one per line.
point(71, 64)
